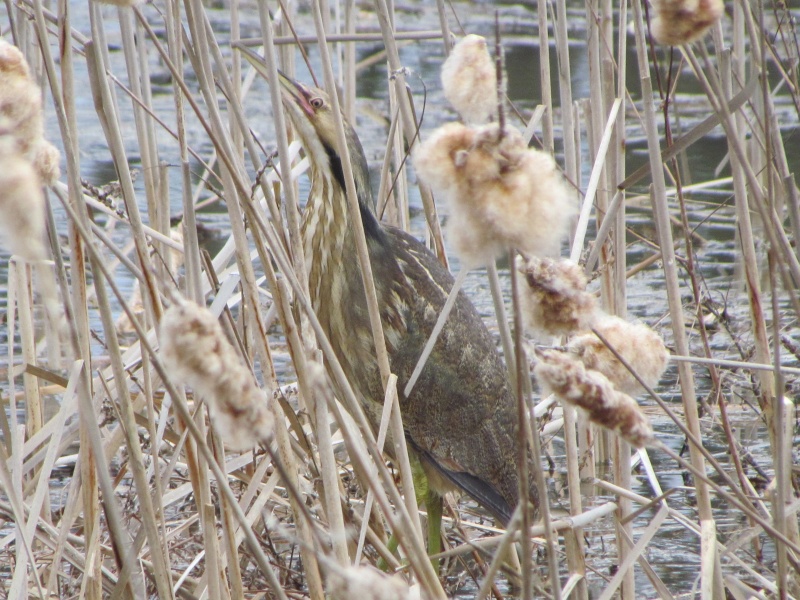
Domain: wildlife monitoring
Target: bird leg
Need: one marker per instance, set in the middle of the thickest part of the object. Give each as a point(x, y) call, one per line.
point(433, 505)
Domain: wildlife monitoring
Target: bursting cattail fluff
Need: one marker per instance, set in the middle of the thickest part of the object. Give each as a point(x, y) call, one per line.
point(500, 193)
point(47, 163)
point(553, 298)
point(565, 376)
point(366, 583)
point(197, 353)
point(21, 203)
point(21, 113)
point(469, 80)
point(680, 22)
point(639, 345)
point(20, 101)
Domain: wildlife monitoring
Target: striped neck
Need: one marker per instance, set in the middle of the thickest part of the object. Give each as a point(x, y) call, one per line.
point(326, 231)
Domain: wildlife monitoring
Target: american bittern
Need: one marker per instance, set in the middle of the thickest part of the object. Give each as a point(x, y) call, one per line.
point(461, 417)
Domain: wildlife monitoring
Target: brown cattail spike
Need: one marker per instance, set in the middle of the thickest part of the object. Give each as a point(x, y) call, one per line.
point(565, 376)
point(554, 300)
point(197, 353)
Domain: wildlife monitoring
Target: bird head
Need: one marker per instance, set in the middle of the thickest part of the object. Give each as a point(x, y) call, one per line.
point(311, 114)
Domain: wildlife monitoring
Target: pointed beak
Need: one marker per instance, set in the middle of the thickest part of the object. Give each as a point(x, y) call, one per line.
point(292, 92)
point(296, 93)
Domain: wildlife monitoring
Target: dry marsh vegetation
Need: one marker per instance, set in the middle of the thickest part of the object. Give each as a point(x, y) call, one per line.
point(195, 437)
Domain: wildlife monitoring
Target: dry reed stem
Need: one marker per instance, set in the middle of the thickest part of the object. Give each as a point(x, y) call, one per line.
point(158, 556)
point(528, 438)
point(594, 182)
point(661, 212)
point(410, 127)
point(634, 554)
point(182, 409)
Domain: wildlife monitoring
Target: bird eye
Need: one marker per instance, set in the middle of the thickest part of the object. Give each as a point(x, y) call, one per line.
point(317, 102)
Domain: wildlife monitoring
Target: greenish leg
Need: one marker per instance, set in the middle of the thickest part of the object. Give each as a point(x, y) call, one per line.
point(392, 546)
point(434, 504)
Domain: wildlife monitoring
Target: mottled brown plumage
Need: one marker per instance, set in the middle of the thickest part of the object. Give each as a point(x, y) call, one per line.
point(461, 417)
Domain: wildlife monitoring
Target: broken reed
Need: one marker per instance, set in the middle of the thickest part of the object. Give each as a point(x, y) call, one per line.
point(136, 374)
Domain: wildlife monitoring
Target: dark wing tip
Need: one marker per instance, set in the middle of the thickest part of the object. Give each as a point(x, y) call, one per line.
point(483, 493)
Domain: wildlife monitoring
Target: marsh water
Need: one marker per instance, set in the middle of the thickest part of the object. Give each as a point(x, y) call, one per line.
point(674, 553)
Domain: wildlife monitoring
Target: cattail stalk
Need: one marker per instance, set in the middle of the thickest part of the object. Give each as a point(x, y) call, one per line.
point(661, 214)
point(409, 124)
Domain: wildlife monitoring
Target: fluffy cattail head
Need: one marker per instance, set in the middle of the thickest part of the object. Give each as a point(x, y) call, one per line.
point(500, 192)
point(565, 376)
point(680, 22)
point(553, 297)
point(366, 583)
point(12, 63)
point(47, 162)
point(21, 203)
point(469, 80)
point(641, 347)
point(197, 353)
point(20, 101)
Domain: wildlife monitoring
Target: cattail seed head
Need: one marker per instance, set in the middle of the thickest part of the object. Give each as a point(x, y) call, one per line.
point(680, 22)
point(21, 203)
point(47, 162)
point(197, 353)
point(500, 192)
point(565, 376)
point(639, 345)
point(469, 80)
point(12, 63)
point(366, 583)
point(20, 101)
point(553, 298)
point(21, 114)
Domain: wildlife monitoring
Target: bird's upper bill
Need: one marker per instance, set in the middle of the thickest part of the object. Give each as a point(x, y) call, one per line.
point(309, 112)
point(295, 94)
